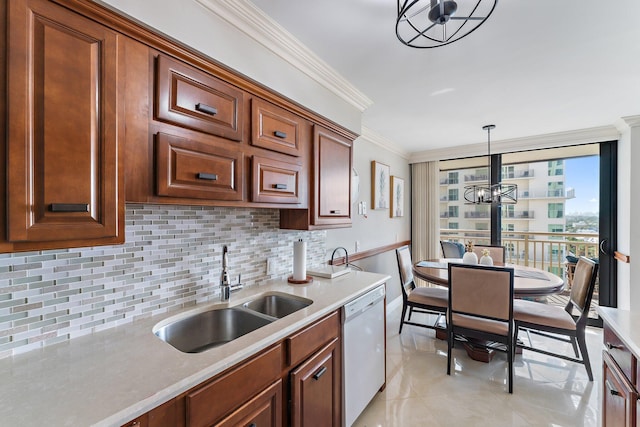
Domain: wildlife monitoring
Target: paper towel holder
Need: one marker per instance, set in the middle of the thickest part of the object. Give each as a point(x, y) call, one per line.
point(291, 280)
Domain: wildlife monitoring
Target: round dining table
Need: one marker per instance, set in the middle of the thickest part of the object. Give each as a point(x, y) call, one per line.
point(527, 281)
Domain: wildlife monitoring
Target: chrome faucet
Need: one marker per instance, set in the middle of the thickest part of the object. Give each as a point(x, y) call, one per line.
point(225, 283)
point(346, 256)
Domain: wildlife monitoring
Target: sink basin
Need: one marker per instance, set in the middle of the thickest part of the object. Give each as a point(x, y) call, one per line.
point(210, 329)
point(277, 305)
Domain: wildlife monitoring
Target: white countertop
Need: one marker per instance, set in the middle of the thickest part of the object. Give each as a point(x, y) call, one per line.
point(110, 377)
point(625, 323)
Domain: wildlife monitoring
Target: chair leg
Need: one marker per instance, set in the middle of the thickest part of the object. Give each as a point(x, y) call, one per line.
point(410, 312)
point(585, 355)
point(404, 311)
point(449, 349)
point(575, 346)
point(510, 365)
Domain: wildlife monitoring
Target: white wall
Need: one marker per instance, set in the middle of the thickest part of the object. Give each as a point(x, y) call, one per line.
point(377, 229)
point(628, 212)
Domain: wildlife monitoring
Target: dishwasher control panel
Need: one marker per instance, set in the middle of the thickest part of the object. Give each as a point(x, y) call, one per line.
point(364, 301)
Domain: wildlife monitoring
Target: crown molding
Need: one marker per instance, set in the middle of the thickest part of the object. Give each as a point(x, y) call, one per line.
point(377, 139)
point(627, 122)
point(550, 140)
point(246, 17)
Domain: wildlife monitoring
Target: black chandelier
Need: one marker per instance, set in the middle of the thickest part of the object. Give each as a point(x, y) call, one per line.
point(499, 194)
point(431, 23)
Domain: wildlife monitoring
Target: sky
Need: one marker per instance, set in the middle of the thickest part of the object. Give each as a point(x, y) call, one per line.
point(582, 174)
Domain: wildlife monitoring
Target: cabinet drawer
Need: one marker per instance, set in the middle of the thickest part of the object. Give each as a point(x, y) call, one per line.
point(192, 169)
point(307, 341)
point(209, 403)
point(264, 410)
point(619, 396)
point(621, 354)
point(275, 181)
point(275, 128)
point(193, 99)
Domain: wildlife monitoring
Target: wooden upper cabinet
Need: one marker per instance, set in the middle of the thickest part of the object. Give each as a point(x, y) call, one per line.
point(332, 160)
point(192, 169)
point(64, 162)
point(275, 181)
point(275, 128)
point(188, 97)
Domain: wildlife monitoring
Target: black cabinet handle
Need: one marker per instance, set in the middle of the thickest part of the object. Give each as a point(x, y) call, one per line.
point(614, 346)
point(280, 186)
point(612, 390)
point(280, 134)
point(208, 176)
point(207, 109)
point(337, 212)
point(69, 207)
point(320, 373)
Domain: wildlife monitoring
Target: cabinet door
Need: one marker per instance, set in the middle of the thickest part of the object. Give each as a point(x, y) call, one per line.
point(190, 98)
point(264, 410)
point(63, 155)
point(274, 181)
point(619, 397)
point(332, 178)
point(192, 169)
point(275, 128)
point(316, 389)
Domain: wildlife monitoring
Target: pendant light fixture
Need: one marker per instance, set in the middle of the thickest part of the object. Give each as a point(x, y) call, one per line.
point(426, 24)
point(499, 193)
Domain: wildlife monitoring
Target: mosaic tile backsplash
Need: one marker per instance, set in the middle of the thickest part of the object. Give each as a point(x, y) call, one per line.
point(171, 259)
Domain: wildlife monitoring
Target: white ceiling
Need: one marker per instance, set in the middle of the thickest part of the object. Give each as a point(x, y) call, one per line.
point(535, 67)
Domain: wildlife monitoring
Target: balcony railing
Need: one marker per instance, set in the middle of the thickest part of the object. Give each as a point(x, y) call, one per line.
point(518, 215)
point(549, 194)
point(518, 174)
point(475, 215)
point(481, 177)
point(546, 251)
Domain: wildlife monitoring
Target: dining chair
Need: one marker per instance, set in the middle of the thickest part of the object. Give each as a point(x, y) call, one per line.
point(451, 249)
point(495, 252)
point(558, 323)
point(428, 300)
point(481, 309)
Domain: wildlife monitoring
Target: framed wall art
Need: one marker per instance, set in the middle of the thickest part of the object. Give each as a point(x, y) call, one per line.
point(379, 185)
point(397, 197)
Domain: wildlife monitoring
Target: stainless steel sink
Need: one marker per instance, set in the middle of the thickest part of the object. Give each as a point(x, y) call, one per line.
point(210, 329)
point(277, 305)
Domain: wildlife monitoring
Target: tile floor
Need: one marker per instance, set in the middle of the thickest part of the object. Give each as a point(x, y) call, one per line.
point(546, 391)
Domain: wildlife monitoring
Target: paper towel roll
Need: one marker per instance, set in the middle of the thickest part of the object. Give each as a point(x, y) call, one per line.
point(299, 260)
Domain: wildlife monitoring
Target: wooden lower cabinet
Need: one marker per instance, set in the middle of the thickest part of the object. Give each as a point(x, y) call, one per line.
point(619, 397)
point(316, 389)
point(296, 382)
point(264, 410)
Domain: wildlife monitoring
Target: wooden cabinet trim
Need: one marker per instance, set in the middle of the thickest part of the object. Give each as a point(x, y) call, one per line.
point(619, 397)
point(188, 168)
point(275, 181)
point(275, 128)
point(38, 131)
point(316, 389)
point(187, 97)
point(233, 388)
point(263, 410)
point(307, 341)
point(619, 352)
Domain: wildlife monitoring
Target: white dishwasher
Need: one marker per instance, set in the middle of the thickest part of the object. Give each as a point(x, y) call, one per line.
point(362, 351)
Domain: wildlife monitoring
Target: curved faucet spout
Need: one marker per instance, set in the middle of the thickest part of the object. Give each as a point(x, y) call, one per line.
point(346, 255)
